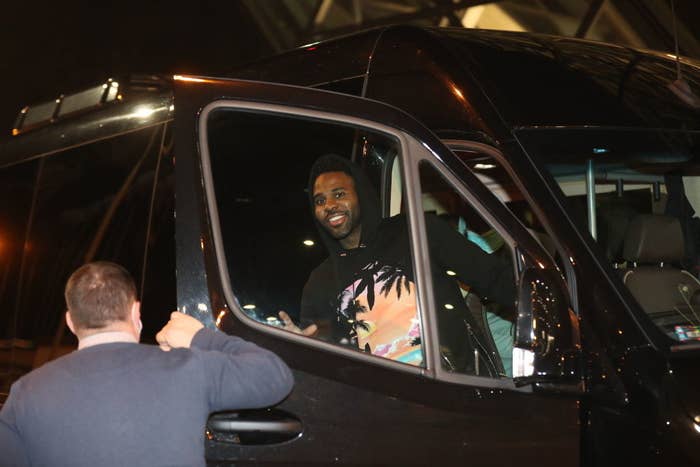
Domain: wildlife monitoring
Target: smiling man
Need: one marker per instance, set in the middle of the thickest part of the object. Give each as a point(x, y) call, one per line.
point(337, 207)
point(363, 295)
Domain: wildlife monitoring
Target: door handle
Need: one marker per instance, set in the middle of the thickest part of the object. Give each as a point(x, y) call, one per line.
point(228, 425)
point(254, 427)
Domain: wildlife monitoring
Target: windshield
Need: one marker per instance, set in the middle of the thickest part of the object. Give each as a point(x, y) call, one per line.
point(637, 193)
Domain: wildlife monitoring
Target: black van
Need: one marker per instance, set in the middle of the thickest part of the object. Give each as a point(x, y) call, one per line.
point(577, 162)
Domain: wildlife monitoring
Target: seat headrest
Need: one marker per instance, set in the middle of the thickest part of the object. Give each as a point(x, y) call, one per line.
point(654, 238)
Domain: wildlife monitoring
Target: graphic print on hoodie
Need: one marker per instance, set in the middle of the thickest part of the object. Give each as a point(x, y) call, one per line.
point(381, 308)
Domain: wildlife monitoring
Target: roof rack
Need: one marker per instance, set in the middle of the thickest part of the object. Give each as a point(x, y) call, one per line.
point(31, 117)
point(45, 113)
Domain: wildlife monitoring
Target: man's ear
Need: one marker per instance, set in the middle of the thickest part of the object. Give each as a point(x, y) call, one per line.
point(136, 314)
point(69, 322)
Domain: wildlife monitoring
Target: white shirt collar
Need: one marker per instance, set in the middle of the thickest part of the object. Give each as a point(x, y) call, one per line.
point(106, 338)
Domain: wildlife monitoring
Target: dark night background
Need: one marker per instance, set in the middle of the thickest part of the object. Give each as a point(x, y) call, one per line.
point(59, 47)
point(54, 47)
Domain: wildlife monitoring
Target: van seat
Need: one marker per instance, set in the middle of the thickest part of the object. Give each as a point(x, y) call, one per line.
point(653, 249)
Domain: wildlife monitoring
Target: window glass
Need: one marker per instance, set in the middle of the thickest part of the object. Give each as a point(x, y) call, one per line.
point(636, 195)
point(491, 173)
point(16, 190)
point(473, 282)
point(305, 234)
point(91, 203)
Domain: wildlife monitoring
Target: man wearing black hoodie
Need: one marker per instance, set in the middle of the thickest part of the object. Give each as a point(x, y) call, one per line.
point(363, 295)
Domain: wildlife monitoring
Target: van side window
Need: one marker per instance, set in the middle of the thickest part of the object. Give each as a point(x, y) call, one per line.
point(290, 239)
point(491, 172)
point(89, 203)
point(473, 281)
point(16, 190)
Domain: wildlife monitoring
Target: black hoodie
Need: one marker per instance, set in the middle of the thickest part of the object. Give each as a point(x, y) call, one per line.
point(365, 297)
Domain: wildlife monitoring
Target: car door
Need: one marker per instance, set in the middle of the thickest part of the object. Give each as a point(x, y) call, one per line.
point(247, 242)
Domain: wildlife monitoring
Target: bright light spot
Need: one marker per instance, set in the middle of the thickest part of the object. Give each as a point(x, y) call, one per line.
point(191, 79)
point(143, 111)
point(220, 317)
point(457, 92)
point(523, 362)
point(172, 107)
point(600, 150)
point(15, 132)
point(249, 306)
point(697, 427)
point(115, 84)
point(311, 44)
point(451, 273)
point(449, 306)
point(484, 166)
point(202, 307)
point(309, 242)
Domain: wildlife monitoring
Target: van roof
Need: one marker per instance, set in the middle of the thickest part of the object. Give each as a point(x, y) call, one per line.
point(532, 79)
point(529, 80)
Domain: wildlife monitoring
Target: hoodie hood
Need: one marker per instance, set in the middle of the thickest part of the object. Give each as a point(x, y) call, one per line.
point(366, 194)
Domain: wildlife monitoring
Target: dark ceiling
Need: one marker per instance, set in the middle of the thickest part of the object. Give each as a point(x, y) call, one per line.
point(52, 48)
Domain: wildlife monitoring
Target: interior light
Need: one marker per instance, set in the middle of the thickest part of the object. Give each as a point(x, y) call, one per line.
point(451, 273)
point(449, 306)
point(600, 150)
point(484, 166)
point(309, 242)
point(249, 306)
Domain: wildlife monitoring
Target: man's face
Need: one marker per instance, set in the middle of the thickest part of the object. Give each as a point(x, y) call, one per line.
point(337, 207)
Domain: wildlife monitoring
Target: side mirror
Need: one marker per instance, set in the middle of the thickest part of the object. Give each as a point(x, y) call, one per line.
point(547, 344)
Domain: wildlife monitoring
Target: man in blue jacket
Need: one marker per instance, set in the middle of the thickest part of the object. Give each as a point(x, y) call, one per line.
point(117, 402)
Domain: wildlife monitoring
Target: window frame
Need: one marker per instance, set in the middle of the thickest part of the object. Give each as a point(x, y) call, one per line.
point(413, 151)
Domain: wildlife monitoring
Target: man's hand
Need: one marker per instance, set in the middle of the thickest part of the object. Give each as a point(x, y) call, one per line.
point(178, 332)
point(290, 326)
